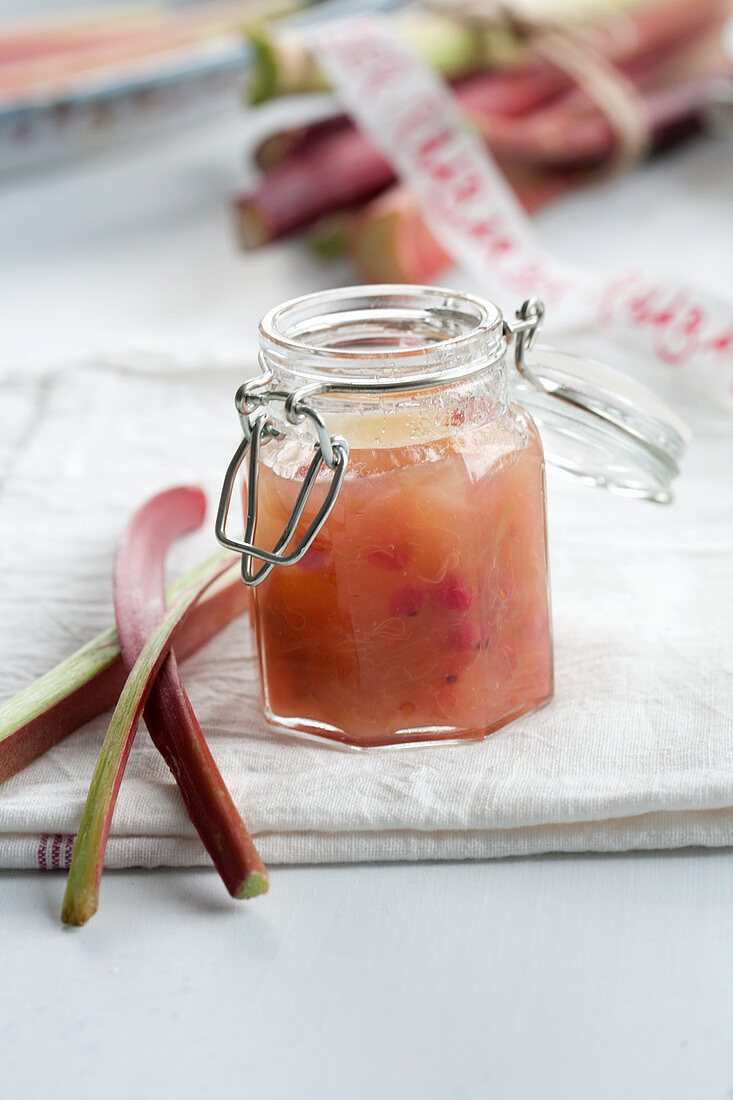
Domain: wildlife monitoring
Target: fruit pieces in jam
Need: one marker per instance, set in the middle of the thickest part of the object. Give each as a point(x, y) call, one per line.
point(421, 612)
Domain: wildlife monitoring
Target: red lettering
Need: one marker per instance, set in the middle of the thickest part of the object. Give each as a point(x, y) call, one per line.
point(425, 153)
point(679, 341)
point(721, 344)
point(641, 306)
point(468, 188)
point(613, 292)
point(413, 117)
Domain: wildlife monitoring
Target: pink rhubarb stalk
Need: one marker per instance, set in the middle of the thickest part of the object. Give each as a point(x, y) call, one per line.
point(82, 887)
point(510, 93)
point(388, 241)
point(89, 682)
point(573, 132)
point(281, 145)
point(169, 716)
point(335, 172)
point(338, 169)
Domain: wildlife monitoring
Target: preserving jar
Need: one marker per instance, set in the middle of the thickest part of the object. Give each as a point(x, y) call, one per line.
point(395, 538)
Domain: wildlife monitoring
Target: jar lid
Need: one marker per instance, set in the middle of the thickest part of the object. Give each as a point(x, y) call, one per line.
point(599, 425)
point(596, 423)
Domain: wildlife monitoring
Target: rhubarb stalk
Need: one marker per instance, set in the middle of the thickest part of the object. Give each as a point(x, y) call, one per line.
point(89, 682)
point(82, 887)
point(169, 716)
point(388, 241)
point(284, 65)
point(337, 169)
point(573, 132)
point(336, 172)
point(510, 93)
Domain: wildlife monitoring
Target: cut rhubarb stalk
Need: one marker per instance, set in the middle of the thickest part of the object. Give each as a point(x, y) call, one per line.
point(511, 93)
point(340, 168)
point(80, 900)
point(283, 64)
point(335, 173)
point(280, 145)
point(169, 716)
point(390, 242)
point(89, 682)
point(573, 132)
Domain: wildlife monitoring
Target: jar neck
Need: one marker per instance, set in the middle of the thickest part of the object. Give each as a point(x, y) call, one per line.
point(387, 346)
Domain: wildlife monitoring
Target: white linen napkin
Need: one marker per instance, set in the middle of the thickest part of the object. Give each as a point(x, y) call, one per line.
point(635, 750)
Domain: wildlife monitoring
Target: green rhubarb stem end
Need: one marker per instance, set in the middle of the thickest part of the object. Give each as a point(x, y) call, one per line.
point(254, 885)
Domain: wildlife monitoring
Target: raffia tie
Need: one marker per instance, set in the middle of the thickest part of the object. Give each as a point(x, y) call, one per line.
point(567, 46)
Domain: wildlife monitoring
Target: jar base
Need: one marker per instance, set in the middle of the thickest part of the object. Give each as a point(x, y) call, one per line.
point(334, 738)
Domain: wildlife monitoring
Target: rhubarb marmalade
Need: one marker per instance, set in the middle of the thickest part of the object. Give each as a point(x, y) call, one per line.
point(420, 611)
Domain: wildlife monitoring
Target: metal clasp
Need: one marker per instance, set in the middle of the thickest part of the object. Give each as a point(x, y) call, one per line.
point(329, 450)
point(529, 318)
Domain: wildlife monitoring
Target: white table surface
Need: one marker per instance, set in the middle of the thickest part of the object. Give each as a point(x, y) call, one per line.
point(570, 978)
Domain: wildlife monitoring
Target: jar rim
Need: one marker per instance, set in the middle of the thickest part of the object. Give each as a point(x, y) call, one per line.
point(466, 334)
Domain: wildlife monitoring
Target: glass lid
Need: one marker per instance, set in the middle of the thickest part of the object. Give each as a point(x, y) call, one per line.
point(599, 425)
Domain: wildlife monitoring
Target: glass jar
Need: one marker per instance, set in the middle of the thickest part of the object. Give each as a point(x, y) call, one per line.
point(397, 497)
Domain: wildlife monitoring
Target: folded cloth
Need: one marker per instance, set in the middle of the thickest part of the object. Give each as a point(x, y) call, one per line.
point(635, 750)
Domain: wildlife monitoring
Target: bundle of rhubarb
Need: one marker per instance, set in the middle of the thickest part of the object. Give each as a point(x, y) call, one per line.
point(549, 129)
point(133, 670)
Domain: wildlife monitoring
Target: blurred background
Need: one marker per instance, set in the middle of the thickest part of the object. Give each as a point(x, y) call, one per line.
point(169, 171)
